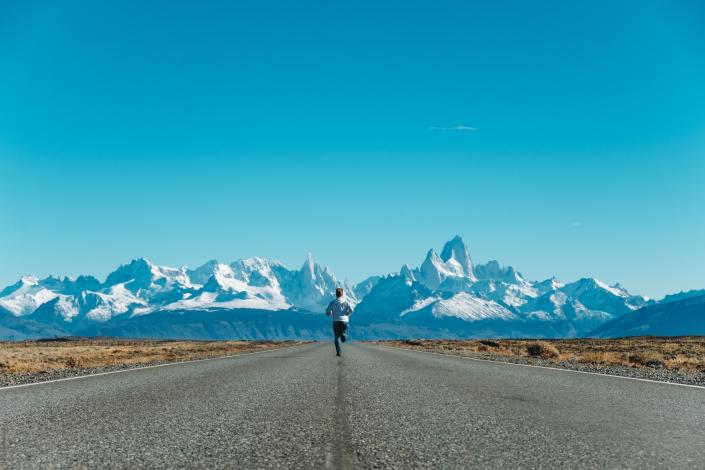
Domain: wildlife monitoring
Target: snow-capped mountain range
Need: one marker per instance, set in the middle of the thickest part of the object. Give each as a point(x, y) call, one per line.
point(447, 295)
point(141, 287)
point(489, 299)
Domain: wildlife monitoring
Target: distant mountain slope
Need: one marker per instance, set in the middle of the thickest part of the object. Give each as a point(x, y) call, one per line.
point(683, 295)
point(247, 324)
point(19, 328)
point(684, 317)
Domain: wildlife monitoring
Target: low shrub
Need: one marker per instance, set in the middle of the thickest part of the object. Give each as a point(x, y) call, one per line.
point(542, 349)
point(491, 344)
point(646, 359)
point(74, 362)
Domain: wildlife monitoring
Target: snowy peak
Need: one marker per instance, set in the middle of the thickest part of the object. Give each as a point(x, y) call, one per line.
point(138, 274)
point(312, 286)
point(549, 285)
point(29, 280)
point(597, 295)
point(142, 274)
point(116, 300)
point(309, 267)
point(202, 274)
point(588, 284)
point(138, 269)
point(365, 287)
point(456, 253)
point(25, 281)
point(222, 278)
point(452, 271)
point(407, 274)
point(493, 271)
point(256, 272)
point(432, 271)
point(23, 297)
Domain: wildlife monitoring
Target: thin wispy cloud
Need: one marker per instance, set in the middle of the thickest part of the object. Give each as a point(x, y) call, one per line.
point(453, 128)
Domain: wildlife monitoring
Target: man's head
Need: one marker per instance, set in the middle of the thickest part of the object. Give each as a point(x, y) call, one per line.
point(339, 292)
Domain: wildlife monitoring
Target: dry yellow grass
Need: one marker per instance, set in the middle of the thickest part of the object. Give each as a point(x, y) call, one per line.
point(673, 353)
point(39, 356)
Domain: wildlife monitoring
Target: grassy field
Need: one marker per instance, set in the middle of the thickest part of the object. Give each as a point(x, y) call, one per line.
point(673, 353)
point(47, 355)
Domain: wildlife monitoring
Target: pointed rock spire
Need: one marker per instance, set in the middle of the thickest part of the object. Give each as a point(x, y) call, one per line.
point(308, 270)
point(457, 250)
point(432, 270)
point(406, 272)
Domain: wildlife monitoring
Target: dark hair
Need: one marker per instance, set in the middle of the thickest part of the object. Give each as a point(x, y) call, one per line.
point(339, 292)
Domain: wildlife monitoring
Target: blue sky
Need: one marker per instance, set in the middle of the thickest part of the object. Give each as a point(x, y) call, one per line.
point(183, 132)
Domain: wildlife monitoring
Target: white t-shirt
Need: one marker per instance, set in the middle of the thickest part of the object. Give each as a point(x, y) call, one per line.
point(339, 309)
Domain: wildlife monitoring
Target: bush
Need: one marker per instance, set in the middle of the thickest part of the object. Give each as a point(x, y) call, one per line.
point(74, 362)
point(542, 350)
point(646, 359)
point(492, 344)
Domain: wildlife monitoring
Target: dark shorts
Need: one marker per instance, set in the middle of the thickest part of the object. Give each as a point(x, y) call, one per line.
point(340, 328)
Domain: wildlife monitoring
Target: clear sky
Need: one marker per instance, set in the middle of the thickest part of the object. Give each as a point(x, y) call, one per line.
point(560, 137)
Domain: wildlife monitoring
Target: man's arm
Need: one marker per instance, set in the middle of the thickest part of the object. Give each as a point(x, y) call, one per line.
point(349, 309)
point(329, 310)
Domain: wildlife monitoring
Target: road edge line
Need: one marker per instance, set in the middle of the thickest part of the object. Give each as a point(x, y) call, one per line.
point(559, 369)
point(132, 369)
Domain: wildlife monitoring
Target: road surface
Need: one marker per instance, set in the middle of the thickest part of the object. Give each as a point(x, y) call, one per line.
point(375, 407)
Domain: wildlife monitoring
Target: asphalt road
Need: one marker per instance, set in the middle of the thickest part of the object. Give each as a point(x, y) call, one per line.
point(375, 407)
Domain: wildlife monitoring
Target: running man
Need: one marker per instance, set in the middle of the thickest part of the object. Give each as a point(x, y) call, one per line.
point(340, 310)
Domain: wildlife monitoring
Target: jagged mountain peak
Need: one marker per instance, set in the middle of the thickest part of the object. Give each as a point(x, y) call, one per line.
point(456, 250)
point(432, 271)
point(590, 283)
point(309, 265)
point(141, 274)
point(24, 281)
point(492, 270)
point(29, 280)
point(548, 285)
point(453, 269)
point(139, 267)
point(407, 273)
point(201, 274)
point(23, 297)
point(432, 255)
